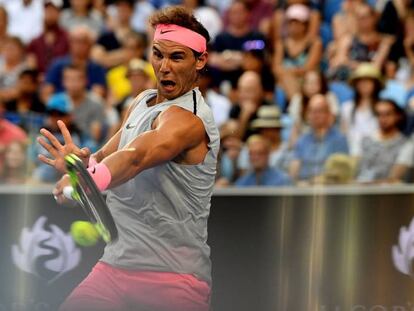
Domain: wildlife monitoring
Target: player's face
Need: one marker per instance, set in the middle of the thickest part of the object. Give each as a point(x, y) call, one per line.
point(175, 67)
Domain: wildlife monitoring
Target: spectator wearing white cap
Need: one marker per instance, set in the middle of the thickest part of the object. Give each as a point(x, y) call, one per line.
point(296, 53)
point(280, 21)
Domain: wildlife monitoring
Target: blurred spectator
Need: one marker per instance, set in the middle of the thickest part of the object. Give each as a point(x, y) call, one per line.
point(344, 23)
point(316, 145)
point(57, 110)
point(409, 49)
point(297, 52)
point(261, 174)
point(16, 164)
point(81, 13)
point(226, 55)
point(255, 59)
point(357, 117)
point(219, 104)
point(3, 29)
point(269, 126)
point(394, 88)
point(81, 40)
point(88, 111)
point(25, 19)
point(118, 84)
point(207, 16)
point(9, 133)
point(261, 13)
point(220, 5)
point(52, 43)
point(138, 77)
point(386, 155)
point(27, 110)
point(366, 45)
point(281, 21)
point(339, 169)
point(230, 146)
point(391, 22)
point(250, 97)
point(108, 50)
point(314, 82)
point(142, 11)
point(14, 63)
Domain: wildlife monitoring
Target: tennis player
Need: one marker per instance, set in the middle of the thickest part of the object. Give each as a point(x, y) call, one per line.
point(159, 171)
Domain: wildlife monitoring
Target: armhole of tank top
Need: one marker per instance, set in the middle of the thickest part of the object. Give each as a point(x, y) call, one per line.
point(139, 98)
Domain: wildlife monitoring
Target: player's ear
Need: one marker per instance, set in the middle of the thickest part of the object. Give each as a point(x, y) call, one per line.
point(202, 61)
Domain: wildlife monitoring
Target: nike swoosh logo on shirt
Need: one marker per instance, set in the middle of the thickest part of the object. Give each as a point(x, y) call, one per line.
point(129, 126)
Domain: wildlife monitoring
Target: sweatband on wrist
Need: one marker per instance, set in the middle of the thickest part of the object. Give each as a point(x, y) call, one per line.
point(100, 175)
point(182, 35)
point(92, 161)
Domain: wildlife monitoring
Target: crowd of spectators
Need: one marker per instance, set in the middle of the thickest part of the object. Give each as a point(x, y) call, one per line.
point(303, 91)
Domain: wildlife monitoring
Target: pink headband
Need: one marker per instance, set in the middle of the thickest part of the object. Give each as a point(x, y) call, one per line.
point(181, 35)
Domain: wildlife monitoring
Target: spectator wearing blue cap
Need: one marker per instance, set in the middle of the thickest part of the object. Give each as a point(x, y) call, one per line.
point(58, 108)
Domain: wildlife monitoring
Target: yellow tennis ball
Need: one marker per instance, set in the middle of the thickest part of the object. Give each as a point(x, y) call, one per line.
point(84, 233)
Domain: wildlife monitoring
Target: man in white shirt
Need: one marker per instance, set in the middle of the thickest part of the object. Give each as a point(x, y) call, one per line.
point(25, 18)
point(386, 155)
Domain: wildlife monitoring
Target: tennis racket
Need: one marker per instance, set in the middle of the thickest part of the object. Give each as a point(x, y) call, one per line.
point(85, 192)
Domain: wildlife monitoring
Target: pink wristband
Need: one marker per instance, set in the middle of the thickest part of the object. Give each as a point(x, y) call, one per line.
point(92, 161)
point(100, 175)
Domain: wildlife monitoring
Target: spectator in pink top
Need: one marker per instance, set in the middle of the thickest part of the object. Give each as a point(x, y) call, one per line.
point(9, 133)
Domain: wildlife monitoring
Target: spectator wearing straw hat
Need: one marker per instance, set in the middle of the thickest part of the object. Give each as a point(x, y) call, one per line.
point(357, 116)
point(261, 174)
point(268, 125)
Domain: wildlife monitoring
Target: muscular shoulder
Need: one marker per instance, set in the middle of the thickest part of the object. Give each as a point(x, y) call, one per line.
point(181, 122)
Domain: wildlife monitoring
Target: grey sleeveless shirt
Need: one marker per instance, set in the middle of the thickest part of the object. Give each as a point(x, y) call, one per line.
point(161, 214)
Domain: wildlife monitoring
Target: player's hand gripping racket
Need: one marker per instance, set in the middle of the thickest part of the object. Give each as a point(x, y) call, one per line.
point(86, 193)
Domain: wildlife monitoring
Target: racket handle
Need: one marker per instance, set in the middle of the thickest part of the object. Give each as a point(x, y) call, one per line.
point(67, 192)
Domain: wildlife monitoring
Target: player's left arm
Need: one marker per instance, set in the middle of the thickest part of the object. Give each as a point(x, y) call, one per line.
point(176, 130)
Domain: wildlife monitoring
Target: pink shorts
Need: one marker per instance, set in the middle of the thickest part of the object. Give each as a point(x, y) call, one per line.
point(109, 288)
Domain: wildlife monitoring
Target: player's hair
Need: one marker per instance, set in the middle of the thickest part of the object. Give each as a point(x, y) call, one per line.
point(180, 16)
